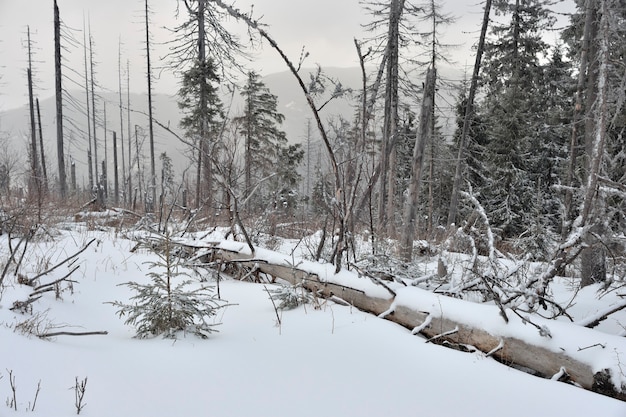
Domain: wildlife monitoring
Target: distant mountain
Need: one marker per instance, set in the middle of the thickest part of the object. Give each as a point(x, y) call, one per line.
point(292, 104)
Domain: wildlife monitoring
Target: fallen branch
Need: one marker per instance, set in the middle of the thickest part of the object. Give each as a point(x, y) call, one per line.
point(52, 334)
point(444, 334)
point(42, 288)
point(593, 321)
point(32, 280)
point(495, 349)
point(23, 306)
point(425, 324)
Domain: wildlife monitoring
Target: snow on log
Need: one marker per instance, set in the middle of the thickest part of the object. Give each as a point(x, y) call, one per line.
point(591, 359)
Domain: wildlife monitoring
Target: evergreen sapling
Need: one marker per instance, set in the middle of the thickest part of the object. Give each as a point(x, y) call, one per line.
point(170, 302)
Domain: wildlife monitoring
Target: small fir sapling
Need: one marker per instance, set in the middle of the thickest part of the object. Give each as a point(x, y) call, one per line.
point(288, 297)
point(171, 302)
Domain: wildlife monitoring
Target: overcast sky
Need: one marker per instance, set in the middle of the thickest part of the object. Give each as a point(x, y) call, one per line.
point(325, 27)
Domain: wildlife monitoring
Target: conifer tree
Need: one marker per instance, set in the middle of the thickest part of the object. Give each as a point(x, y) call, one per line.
point(513, 77)
point(202, 108)
point(265, 147)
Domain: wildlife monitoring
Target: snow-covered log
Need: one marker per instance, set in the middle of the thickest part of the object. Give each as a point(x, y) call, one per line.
point(582, 356)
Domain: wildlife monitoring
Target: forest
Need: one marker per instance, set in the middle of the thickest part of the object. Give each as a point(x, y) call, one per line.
point(526, 191)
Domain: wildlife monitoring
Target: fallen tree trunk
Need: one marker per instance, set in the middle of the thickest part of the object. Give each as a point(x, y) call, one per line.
point(435, 318)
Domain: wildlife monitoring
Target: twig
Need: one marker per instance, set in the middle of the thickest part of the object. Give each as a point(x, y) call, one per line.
point(387, 312)
point(422, 326)
point(36, 395)
point(22, 305)
point(589, 347)
point(595, 320)
point(79, 393)
point(374, 279)
point(444, 334)
point(495, 349)
point(275, 308)
point(13, 388)
point(32, 280)
point(42, 286)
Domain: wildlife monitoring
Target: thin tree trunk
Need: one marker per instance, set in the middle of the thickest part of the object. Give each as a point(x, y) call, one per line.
point(467, 118)
point(44, 172)
point(93, 118)
point(105, 162)
point(386, 204)
point(34, 183)
point(577, 116)
point(130, 136)
point(119, 77)
point(88, 108)
point(150, 124)
point(593, 265)
point(410, 213)
point(116, 185)
point(59, 102)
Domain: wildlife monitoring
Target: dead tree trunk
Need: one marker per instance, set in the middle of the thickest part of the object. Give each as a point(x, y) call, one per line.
point(119, 77)
point(150, 118)
point(116, 184)
point(577, 116)
point(44, 172)
point(424, 133)
point(88, 108)
point(34, 179)
point(593, 267)
point(130, 136)
point(386, 204)
point(93, 118)
point(429, 319)
point(58, 88)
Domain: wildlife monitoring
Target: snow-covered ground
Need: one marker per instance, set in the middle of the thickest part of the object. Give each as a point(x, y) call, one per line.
point(329, 361)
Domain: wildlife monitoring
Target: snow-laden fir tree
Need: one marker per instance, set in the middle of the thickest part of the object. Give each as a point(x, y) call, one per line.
point(513, 109)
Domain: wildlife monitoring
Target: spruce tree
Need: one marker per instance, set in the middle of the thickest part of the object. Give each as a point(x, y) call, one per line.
point(201, 106)
point(266, 150)
point(512, 107)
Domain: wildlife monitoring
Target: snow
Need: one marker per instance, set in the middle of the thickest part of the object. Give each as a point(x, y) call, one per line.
point(329, 361)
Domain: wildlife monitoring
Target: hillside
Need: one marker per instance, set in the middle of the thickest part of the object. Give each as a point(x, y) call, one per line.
point(14, 123)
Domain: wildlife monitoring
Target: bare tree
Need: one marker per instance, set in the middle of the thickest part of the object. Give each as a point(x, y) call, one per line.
point(119, 77)
point(35, 177)
point(593, 257)
point(44, 172)
point(423, 135)
point(88, 108)
point(59, 102)
point(150, 118)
